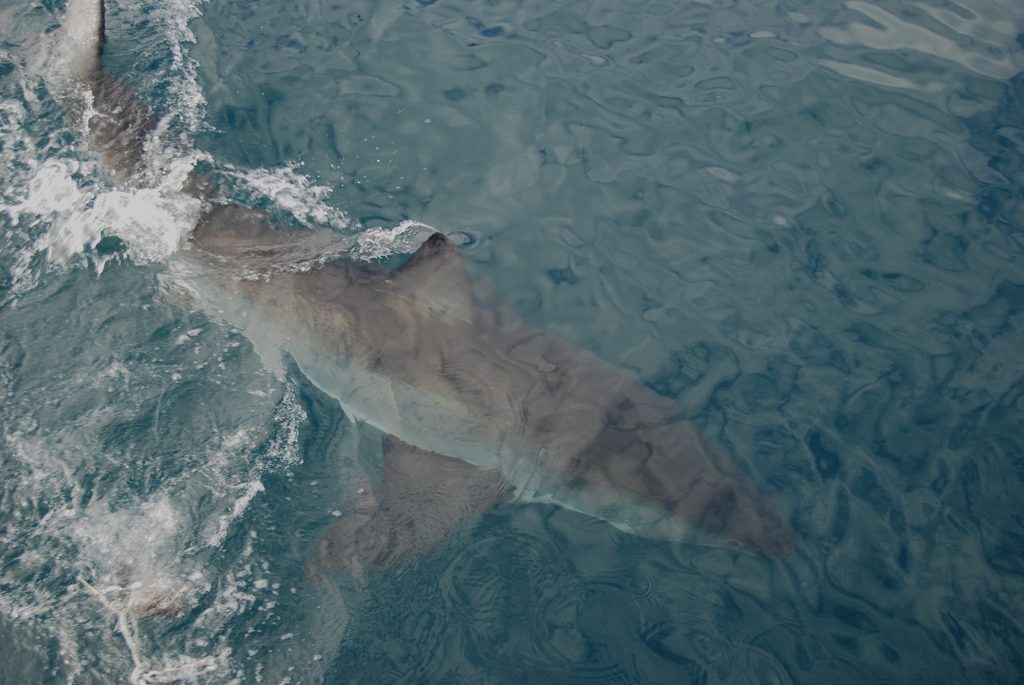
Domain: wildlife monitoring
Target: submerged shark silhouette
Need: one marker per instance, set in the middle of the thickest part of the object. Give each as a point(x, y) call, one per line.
point(480, 407)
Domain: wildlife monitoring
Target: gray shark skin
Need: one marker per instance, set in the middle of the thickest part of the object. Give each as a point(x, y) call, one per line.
point(420, 355)
point(481, 407)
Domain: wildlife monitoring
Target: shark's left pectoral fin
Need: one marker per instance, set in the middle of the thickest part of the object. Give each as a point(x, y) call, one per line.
point(436, 276)
point(422, 498)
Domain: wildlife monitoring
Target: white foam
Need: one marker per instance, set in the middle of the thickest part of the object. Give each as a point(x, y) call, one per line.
point(295, 193)
point(284, 448)
point(135, 561)
point(131, 555)
point(67, 206)
point(378, 243)
point(185, 669)
point(65, 197)
point(222, 465)
point(174, 669)
point(191, 105)
point(135, 554)
point(249, 491)
point(16, 147)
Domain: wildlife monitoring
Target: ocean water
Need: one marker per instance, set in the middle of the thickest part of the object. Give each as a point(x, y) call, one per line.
point(803, 221)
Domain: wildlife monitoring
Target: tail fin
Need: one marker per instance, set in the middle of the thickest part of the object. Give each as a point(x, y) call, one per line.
point(124, 123)
point(81, 43)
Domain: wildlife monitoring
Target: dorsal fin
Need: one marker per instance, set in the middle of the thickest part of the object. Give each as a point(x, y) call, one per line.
point(436, 275)
point(82, 42)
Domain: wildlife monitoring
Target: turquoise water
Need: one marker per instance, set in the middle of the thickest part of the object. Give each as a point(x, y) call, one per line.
point(802, 221)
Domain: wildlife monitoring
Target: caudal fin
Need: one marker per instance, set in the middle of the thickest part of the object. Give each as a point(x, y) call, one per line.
point(81, 40)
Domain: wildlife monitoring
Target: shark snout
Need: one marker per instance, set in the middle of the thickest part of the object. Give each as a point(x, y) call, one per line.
point(755, 525)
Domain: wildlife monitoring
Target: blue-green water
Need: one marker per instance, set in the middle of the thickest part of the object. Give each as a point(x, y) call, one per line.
point(802, 221)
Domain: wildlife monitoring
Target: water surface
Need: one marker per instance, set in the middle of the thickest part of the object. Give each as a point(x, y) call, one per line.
point(802, 221)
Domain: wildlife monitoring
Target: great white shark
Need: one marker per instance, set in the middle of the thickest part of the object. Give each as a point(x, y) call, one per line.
point(478, 407)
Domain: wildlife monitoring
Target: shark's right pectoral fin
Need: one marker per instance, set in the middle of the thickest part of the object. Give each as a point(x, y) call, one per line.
point(422, 498)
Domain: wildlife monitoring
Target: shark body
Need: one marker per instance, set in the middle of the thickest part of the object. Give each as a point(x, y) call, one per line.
point(479, 406)
point(428, 357)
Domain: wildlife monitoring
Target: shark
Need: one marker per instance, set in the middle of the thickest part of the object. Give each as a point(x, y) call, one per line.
point(478, 407)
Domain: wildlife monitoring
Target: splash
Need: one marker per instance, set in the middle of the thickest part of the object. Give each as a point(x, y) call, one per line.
point(282, 454)
point(105, 574)
point(64, 198)
point(294, 193)
point(58, 198)
point(60, 206)
point(379, 243)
